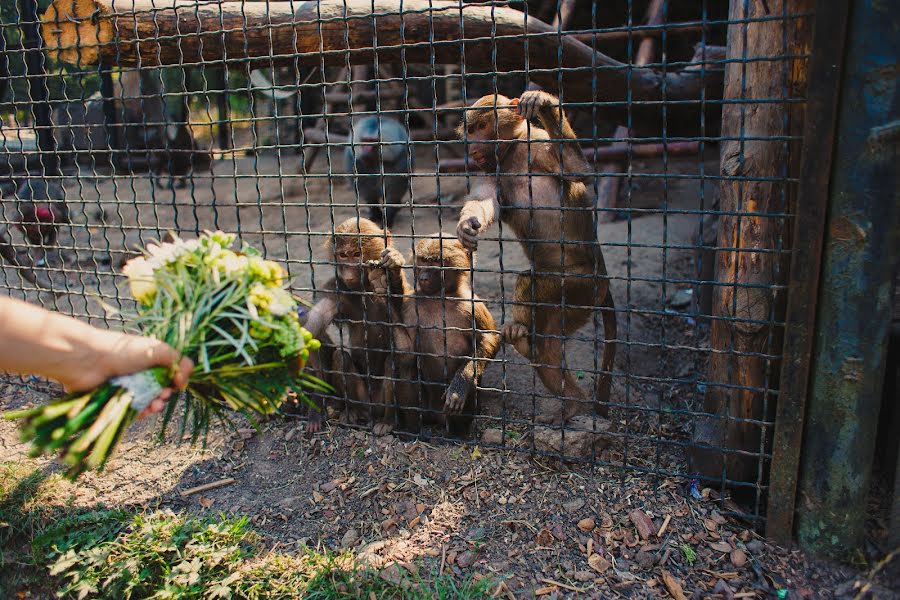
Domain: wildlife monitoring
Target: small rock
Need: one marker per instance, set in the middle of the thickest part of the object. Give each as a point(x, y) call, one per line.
point(738, 558)
point(583, 576)
point(645, 560)
point(350, 538)
point(492, 437)
point(586, 525)
point(573, 505)
point(754, 546)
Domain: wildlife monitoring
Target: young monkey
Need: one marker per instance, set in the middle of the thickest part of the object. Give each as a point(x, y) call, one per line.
point(438, 329)
point(363, 374)
point(539, 192)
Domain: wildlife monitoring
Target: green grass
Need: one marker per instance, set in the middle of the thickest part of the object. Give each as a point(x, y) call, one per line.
point(47, 547)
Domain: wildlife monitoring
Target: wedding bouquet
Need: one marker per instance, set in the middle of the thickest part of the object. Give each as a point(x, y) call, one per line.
point(228, 311)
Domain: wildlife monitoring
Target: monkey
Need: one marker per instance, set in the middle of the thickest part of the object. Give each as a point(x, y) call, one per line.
point(42, 209)
point(540, 193)
point(448, 329)
point(393, 159)
point(348, 300)
point(179, 159)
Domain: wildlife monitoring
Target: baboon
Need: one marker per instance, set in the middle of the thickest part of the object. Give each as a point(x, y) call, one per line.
point(446, 339)
point(538, 190)
point(362, 373)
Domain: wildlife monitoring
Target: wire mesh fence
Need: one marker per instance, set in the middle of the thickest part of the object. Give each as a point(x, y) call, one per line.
point(570, 280)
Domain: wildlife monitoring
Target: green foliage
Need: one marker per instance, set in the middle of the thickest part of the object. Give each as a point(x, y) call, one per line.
point(689, 555)
point(117, 554)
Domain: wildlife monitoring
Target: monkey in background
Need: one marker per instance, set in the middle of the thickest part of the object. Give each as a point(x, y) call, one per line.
point(42, 209)
point(362, 373)
point(447, 329)
point(380, 146)
point(546, 205)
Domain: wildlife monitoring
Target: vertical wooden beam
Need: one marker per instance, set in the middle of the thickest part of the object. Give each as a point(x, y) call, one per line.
point(861, 251)
point(808, 235)
point(760, 82)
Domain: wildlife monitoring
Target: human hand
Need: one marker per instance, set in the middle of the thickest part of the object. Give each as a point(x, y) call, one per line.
point(109, 354)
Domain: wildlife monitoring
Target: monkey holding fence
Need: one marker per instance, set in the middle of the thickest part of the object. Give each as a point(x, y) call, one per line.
point(381, 154)
point(363, 373)
point(446, 329)
point(546, 205)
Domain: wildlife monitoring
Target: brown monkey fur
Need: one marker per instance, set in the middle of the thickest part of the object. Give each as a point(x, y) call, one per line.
point(361, 373)
point(561, 245)
point(441, 356)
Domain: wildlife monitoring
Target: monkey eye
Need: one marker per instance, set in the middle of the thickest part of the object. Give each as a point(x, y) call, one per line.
point(471, 129)
point(482, 126)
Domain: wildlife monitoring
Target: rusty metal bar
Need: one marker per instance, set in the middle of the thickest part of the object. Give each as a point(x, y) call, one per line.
point(808, 234)
point(861, 250)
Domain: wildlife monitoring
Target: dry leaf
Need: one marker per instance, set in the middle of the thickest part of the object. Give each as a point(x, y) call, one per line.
point(205, 502)
point(544, 537)
point(466, 559)
point(643, 523)
point(721, 547)
point(598, 563)
point(586, 525)
point(738, 558)
point(673, 585)
point(476, 453)
point(317, 497)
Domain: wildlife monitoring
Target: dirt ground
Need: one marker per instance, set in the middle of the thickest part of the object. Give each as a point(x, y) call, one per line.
point(526, 520)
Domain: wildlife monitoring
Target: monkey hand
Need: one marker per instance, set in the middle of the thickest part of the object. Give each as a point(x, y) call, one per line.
point(391, 258)
point(456, 394)
point(532, 103)
point(378, 280)
point(467, 231)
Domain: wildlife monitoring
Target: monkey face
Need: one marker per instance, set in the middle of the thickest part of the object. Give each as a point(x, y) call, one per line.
point(349, 265)
point(367, 151)
point(428, 277)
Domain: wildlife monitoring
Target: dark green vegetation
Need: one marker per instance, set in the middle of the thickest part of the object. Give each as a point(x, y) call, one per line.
point(48, 547)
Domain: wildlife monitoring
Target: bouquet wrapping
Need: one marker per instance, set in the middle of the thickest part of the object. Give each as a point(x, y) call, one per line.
point(227, 310)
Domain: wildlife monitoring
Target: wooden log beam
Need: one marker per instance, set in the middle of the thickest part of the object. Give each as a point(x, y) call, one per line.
point(745, 336)
point(178, 32)
point(623, 35)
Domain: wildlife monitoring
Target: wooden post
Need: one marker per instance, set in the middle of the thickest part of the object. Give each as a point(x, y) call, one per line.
point(306, 34)
point(745, 340)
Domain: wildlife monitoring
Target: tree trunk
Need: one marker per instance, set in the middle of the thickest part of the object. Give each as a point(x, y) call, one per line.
point(175, 32)
point(747, 311)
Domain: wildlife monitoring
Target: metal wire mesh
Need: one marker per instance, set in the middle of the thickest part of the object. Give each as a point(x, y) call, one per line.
point(244, 117)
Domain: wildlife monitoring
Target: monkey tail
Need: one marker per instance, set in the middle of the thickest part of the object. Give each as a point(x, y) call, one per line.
point(603, 383)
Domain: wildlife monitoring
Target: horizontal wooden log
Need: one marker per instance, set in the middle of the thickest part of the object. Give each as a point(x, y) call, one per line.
point(638, 33)
point(333, 32)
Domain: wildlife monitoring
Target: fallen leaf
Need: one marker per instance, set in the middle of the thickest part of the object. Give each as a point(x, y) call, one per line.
point(420, 481)
point(205, 502)
point(586, 525)
point(466, 559)
point(721, 547)
point(673, 585)
point(598, 563)
point(738, 558)
point(350, 538)
point(642, 523)
point(573, 505)
point(317, 497)
point(476, 453)
point(544, 537)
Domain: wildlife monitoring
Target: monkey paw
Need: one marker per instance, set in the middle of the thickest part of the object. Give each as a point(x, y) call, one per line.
point(531, 103)
point(467, 232)
point(382, 428)
point(391, 258)
point(378, 280)
point(514, 332)
point(456, 395)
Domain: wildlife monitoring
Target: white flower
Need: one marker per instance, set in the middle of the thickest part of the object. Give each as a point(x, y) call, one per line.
point(281, 302)
point(139, 272)
point(163, 254)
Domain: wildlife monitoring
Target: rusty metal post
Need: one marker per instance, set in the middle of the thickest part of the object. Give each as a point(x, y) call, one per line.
point(808, 234)
point(854, 307)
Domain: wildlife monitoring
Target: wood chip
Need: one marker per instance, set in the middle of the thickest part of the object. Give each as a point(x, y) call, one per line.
point(565, 586)
point(673, 585)
point(642, 523)
point(598, 563)
point(545, 590)
point(664, 526)
point(208, 486)
point(724, 547)
point(738, 558)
